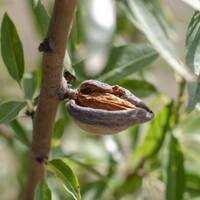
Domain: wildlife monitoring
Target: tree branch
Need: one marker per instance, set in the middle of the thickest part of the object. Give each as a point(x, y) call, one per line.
point(52, 85)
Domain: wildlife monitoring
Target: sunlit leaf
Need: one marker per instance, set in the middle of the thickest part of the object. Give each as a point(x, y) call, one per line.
point(10, 110)
point(125, 60)
point(175, 171)
point(193, 59)
point(154, 137)
point(42, 191)
point(11, 49)
point(64, 173)
point(149, 25)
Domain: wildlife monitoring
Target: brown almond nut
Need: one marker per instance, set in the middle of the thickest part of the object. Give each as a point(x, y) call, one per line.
point(103, 109)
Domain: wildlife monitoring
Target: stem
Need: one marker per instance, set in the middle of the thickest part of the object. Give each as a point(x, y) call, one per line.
point(180, 100)
point(52, 86)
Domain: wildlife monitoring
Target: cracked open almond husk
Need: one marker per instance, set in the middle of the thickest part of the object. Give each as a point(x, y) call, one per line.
point(102, 109)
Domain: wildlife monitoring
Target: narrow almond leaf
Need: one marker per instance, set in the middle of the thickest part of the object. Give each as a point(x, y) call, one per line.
point(193, 59)
point(155, 136)
point(131, 184)
point(193, 3)
point(141, 88)
point(149, 25)
point(64, 173)
point(58, 132)
point(10, 110)
point(43, 19)
point(193, 184)
point(41, 15)
point(19, 132)
point(68, 65)
point(125, 60)
point(11, 49)
point(30, 84)
point(175, 171)
point(88, 167)
point(42, 191)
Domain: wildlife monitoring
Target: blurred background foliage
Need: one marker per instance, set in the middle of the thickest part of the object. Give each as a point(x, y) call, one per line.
point(143, 48)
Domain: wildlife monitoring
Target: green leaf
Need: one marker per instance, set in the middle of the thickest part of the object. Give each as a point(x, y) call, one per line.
point(19, 132)
point(76, 31)
point(175, 171)
point(68, 64)
point(10, 110)
point(193, 59)
point(43, 19)
point(193, 184)
point(42, 191)
point(41, 15)
point(58, 132)
point(140, 16)
point(11, 49)
point(131, 184)
point(62, 171)
point(193, 3)
point(193, 94)
point(29, 85)
point(125, 60)
point(139, 88)
point(80, 72)
point(90, 168)
point(155, 136)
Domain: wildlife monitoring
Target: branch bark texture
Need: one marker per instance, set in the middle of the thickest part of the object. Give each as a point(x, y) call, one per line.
point(52, 85)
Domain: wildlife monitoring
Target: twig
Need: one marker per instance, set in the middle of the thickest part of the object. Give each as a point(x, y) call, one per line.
point(52, 86)
point(180, 100)
point(4, 131)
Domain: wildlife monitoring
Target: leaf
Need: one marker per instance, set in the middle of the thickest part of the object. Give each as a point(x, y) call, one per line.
point(193, 94)
point(193, 3)
point(139, 88)
point(175, 171)
point(42, 191)
point(19, 132)
point(131, 184)
point(41, 15)
point(125, 60)
point(80, 72)
point(155, 136)
point(11, 49)
point(88, 167)
point(76, 31)
point(148, 24)
point(68, 64)
point(29, 85)
point(10, 110)
point(193, 59)
point(62, 171)
point(96, 190)
point(192, 184)
point(58, 132)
